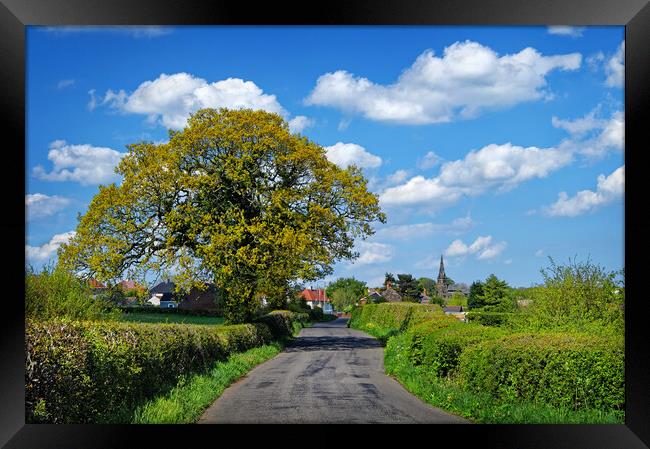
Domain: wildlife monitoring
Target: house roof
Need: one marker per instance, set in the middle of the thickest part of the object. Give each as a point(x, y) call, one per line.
point(453, 309)
point(391, 295)
point(94, 283)
point(315, 295)
point(164, 287)
point(130, 285)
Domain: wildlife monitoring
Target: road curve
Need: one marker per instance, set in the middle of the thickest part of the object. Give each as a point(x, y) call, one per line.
point(329, 374)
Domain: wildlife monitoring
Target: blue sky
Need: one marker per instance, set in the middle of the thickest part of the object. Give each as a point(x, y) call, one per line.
point(495, 146)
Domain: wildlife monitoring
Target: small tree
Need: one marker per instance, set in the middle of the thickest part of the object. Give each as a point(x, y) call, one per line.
point(427, 285)
point(457, 299)
point(475, 298)
point(497, 296)
point(408, 288)
point(389, 278)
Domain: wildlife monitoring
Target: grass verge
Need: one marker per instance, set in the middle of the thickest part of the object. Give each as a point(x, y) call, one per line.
point(186, 402)
point(482, 408)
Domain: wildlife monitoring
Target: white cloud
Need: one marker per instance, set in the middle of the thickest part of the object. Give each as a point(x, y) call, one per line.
point(420, 230)
point(429, 160)
point(47, 250)
point(608, 189)
point(397, 177)
point(345, 154)
point(133, 31)
point(84, 164)
point(299, 123)
point(39, 205)
point(539, 253)
point(591, 136)
point(65, 83)
point(482, 247)
point(170, 99)
point(372, 252)
point(615, 68)
point(566, 31)
point(92, 103)
point(493, 166)
point(467, 79)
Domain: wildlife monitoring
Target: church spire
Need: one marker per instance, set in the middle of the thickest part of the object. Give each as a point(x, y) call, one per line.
point(441, 272)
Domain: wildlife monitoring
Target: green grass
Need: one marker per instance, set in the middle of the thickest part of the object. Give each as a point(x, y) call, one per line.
point(138, 317)
point(482, 408)
point(186, 402)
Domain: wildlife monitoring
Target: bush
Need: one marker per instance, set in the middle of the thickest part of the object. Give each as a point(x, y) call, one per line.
point(316, 314)
point(55, 293)
point(489, 318)
point(395, 316)
point(170, 311)
point(96, 372)
point(573, 370)
point(281, 322)
point(438, 350)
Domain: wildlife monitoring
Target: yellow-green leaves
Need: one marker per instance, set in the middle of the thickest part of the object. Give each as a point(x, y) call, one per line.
point(234, 198)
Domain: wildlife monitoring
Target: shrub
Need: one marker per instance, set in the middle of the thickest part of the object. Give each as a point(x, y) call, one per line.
point(573, 370)
point(94, 372)
point(316, 314)
point(439, 350)
point(489, 318)
point(55, 293)
point(171, 311)
point(393, 316)
point(281, 322)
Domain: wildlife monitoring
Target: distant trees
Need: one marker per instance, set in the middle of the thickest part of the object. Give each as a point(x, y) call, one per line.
point(389, 278)
point(474, 300)
point(408, 288)
point(345, 292)
point(428, 285)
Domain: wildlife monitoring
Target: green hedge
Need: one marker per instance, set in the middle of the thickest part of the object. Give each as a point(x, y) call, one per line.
point(563, 369)
point(97, 372)
point(395, 316)
point(280, 322)
point(170, 311)
point(488, 318)
point(438, 344)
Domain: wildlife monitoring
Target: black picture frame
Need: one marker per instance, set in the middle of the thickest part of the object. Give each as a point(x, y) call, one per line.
point(15, 15)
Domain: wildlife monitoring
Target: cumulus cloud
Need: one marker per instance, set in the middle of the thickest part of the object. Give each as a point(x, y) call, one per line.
point(47, 250)
point(420, 230)
point(493, 166)
point(566, 31)
point(39, 205)
point(299, 123)
point(397, 177)
point(482, 247)
point(84, 164)
point(467, 79)
point(373, 252)
point(346, 154)
point(170, 99)
point(429, 160)
point(609, 188)
point(593, 136)
point(615, 68)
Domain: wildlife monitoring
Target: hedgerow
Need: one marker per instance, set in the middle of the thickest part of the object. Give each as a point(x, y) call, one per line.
point(395, 316)
point(489, 318)
point(281, 322)
point(573, 370)
point(97, 372)
point(437, 344)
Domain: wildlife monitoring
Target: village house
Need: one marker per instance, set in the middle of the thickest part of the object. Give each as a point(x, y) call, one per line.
point(317, 298)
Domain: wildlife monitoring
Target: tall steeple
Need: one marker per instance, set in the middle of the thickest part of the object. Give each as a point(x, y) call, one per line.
point(441, 285)
point(441, 272)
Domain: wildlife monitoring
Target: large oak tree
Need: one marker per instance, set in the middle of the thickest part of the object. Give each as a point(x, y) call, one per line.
point(234, 198)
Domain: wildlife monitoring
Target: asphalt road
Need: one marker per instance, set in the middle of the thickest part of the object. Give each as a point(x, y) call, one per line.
point(329, 374)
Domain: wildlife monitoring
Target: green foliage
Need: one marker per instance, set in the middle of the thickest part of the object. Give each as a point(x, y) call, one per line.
point(233, 198)
point(388, 277)
point(388, 319)
point(408, 288)
point(427, 285)
point(438, 350)
point(489, 318)
point(343, 296)
point(435, 299)
point(55, 293)
point(95, 372)
point(580, 296)
point(356, 287)
point(186, 402)
point(457, 299)
point(571, 370)
point(140, 317)
point(475, 298)
point(497, 296)
point(174, 311)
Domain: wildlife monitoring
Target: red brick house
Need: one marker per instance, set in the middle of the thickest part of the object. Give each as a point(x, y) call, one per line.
point(317, 298)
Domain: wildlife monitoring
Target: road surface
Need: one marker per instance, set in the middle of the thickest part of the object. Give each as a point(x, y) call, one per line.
point(328, 374)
